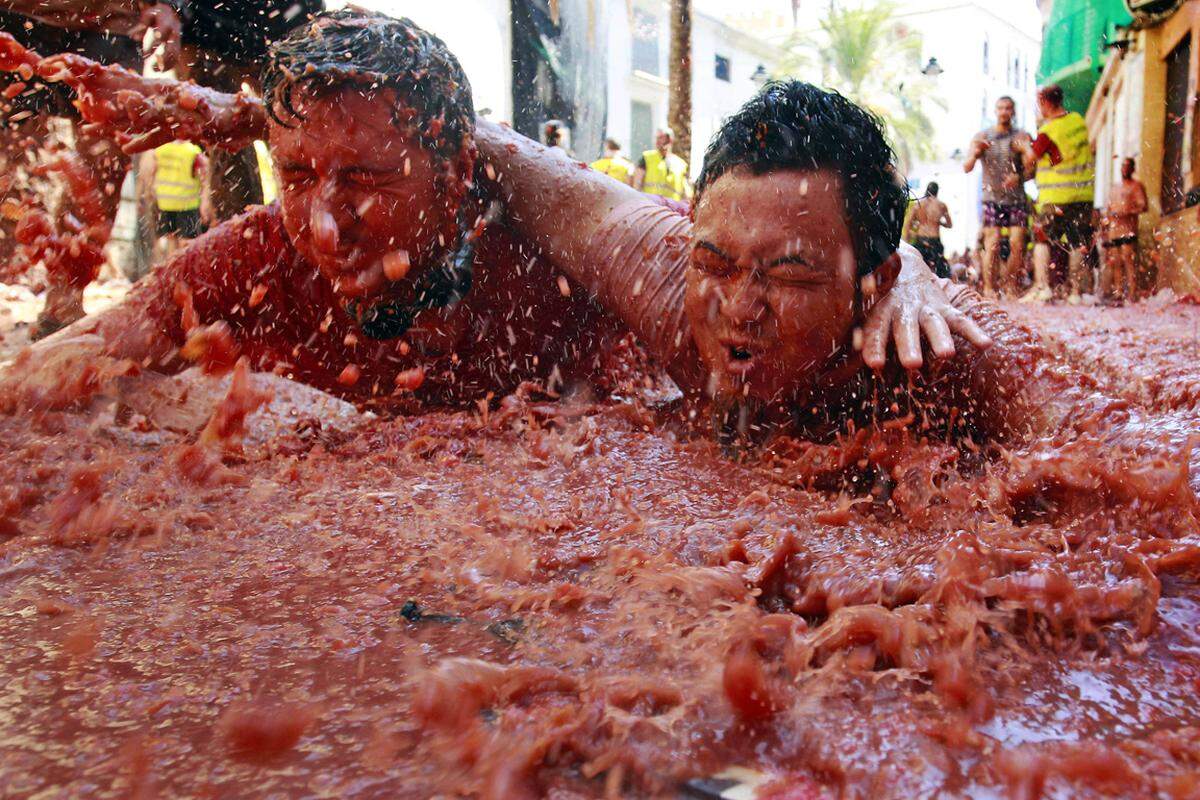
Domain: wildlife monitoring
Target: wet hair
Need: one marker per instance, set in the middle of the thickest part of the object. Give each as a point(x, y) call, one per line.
point(795, 125)
point(1052, 94)
point(612, 144)
point(932, 189)
point(375, 52)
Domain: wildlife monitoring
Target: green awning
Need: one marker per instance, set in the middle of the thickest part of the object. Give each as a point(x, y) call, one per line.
point(1073, 51)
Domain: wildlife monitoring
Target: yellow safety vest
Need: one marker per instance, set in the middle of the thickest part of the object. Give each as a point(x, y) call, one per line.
point(266, 175)
point(665, 176)
point(619, 168)
point(1073, 179)
point(175, 181)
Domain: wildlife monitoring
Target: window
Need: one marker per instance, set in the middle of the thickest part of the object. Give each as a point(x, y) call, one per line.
point(985, 57)
point(721, 69)
point(645, 42)
point(641, 129)
point(1173, 137)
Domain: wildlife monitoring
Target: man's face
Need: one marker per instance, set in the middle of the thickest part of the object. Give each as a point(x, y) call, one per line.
point(1127, 169)
point(771, 286)
point(1005, 111)
point(662, 140)
point(353, 190)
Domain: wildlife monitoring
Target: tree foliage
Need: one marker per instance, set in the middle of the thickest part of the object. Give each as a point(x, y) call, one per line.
point(865, 52)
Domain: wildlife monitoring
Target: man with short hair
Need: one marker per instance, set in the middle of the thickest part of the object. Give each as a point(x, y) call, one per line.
point(929, 216)
point(1062, 158)
point(1001, 150)
point(661, 172)
point(1126, 202)
point(613, 164)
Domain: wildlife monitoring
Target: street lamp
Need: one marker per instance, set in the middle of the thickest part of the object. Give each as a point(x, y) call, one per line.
point(760, 76)
point(932, 69)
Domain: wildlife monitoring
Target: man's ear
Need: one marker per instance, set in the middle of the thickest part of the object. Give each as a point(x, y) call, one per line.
point(878, 283)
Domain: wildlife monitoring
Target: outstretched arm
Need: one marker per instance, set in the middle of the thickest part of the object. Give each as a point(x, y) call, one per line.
point(630, 252)
point(142, 113)
point(201, 283)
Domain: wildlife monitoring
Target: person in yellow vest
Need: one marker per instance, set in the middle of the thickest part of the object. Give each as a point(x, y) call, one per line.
point(661, 172)
point(178, 169)
point(1061, 157)
point(614, 165)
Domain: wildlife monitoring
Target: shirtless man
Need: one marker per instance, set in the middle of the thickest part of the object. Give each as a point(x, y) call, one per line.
point(376, 277)
point(1126, 202)
point(929, 216)
point(1001, 150)
point(109, 31)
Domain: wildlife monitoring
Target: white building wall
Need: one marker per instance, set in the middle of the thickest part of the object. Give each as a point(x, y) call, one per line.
point(955, 34)
point(478, 32)
point(712, 99)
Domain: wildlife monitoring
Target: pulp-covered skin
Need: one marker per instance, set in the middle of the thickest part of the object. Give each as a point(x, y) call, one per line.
point(567, 600)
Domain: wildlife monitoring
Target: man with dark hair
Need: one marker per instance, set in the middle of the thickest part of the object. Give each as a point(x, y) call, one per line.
point(613, 164)
point(1001, 149)
point(929, 216)
point(377, 277)
point(107, 31)
point(757, 304)
point(1126, 202)
point(1061, 158)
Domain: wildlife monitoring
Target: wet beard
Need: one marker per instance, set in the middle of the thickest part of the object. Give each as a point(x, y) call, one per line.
point(441, 286)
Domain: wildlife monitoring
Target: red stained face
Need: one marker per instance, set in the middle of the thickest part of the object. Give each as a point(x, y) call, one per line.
point(771, 288)
point(355, 191)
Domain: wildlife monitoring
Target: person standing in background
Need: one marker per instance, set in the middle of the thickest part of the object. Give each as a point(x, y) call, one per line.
point(929, 216)
point(1065, 169)
point(1001, 150)
point(178, 171)
point(1126, 202)
point(613, 164)
point(661, 172)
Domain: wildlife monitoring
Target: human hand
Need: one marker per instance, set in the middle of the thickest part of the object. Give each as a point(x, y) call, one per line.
point(163, 23)
point(142, 113)
point(980, 147)
point(914, 304)
point(15, 57)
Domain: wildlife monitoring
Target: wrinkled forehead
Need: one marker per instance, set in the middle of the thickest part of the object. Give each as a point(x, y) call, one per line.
point(782, 197)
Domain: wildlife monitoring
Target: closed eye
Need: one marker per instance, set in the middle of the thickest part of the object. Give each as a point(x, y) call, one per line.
point(710, 259)
point(796, 270)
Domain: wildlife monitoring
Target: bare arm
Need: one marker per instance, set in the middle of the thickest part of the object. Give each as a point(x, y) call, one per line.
point(142, 113)
point(974, 151)
point(945, 221)
point(639, 178)
point(1143, 202)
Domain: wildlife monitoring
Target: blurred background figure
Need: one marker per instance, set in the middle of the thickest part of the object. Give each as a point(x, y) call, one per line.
point(111, 32)
point(661, 172)
point(929, 216)
point(1126, 202)
point(556, 133)
point(1066, 174)
point(178, 172)
point(1001, 149)
point(613, 164)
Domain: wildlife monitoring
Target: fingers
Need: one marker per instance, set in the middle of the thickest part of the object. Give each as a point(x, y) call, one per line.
point(965, 327)
point(907, 338)
point(937, 333)
point(876, 329)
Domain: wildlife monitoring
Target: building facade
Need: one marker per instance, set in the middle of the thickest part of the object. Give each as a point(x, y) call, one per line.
point(1145, 105)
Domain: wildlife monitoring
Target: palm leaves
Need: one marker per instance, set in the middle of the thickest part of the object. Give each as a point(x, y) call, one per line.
point(870, 56)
